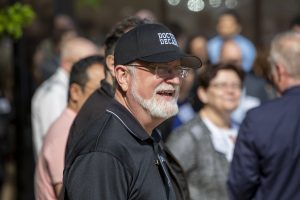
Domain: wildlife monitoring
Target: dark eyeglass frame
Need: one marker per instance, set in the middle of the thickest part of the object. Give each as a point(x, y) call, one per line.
point(164, 71)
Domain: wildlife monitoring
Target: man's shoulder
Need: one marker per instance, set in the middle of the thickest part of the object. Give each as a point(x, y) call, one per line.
point(264, 109)
point(92, 109)
point(270, 112)
point(97, 102)
point(103, 132)
point(108, 132)
point(191, 130)
point(194, 123)
point(50, 87)
point(61, 126)
point(242, 40)
point(104, 135)
point(270, 106)
point(40, 91)
point(216, 40)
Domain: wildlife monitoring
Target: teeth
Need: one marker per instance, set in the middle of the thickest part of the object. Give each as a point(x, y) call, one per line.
point(169, 93)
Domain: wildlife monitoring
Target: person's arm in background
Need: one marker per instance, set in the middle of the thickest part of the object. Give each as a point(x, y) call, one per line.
point(58, 189)
point(45, 111)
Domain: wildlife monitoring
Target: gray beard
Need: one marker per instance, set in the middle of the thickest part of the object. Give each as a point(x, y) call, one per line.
point(159, 109)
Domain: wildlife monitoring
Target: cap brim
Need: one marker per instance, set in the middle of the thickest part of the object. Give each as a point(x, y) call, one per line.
point(186, 60)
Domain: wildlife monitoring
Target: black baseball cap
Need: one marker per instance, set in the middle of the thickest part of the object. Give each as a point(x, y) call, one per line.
point(153, 43)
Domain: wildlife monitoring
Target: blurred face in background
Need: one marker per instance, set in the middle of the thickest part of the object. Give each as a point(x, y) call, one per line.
point(79, 94)
point(198, 47)
point(95, 74)
point(228, 26)
point(75, 49)
point(223, 93)
point(231, 53)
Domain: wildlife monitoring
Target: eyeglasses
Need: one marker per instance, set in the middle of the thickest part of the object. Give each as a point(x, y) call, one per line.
point(164, 71)
point(222, 85)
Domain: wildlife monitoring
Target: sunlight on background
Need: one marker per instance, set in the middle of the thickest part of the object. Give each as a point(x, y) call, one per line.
point(199, 5)
point(173, 2)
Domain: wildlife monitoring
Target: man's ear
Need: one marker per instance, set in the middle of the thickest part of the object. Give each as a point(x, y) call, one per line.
point(110, 64)
point(75, 92)
point(202, 94)
point(280, 77)
point(281, 71)
point(122, 75)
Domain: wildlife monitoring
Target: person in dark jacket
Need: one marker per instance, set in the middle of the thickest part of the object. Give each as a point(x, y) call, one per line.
point(266, 159)
point(120, 155)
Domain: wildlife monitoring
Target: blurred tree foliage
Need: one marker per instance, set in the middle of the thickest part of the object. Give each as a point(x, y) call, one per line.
point(91, 3)
point(14, 18)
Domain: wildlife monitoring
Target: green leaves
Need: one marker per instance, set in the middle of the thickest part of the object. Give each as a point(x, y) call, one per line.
point(14, 18)
point(92, 3)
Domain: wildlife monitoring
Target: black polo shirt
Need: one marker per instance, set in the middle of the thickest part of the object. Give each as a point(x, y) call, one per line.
point(116, 160)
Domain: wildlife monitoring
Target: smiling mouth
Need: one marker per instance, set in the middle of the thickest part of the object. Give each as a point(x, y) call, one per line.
point(168, 93)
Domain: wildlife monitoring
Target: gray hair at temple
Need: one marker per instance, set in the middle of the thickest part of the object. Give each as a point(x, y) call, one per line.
point(285, 49)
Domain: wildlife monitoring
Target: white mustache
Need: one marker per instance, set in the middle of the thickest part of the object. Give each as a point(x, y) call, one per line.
point(166, 86)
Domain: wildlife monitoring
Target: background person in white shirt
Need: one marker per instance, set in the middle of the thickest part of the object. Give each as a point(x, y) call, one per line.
point(85, 78)
point(50, 98)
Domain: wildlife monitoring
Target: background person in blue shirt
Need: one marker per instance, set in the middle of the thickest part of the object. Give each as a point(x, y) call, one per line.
point(229, 27)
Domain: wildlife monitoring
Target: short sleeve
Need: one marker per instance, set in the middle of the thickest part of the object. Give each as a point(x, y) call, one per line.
point(55, 153)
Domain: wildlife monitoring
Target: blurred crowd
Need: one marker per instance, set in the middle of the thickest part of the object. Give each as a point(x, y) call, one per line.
point(213, 100)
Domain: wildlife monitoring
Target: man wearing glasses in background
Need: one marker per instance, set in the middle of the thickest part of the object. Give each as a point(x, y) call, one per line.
point(121, 156)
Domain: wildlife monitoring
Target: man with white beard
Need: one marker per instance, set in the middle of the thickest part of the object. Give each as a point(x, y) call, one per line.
point(121, 155)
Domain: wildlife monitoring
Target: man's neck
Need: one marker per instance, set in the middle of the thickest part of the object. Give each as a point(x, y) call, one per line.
point(73, 106)
point(291, 82)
